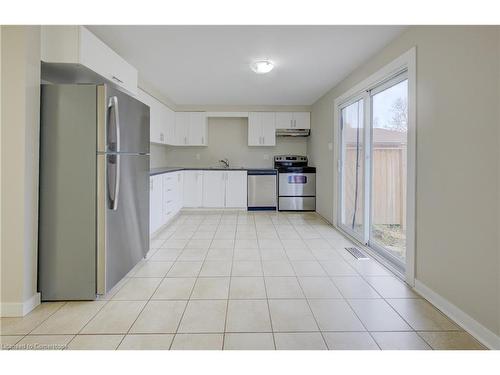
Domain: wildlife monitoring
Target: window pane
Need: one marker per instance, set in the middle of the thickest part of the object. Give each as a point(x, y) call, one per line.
point(352, 207)
point(389, 143)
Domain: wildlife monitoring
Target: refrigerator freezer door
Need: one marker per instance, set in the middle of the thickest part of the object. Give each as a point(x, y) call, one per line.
point(126, 118)
point(126, 232)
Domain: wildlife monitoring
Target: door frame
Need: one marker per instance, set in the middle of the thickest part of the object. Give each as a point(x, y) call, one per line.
point(407, 61)
point(361, 237)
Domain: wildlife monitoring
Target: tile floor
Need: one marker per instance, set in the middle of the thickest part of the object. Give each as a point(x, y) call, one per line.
point(239, 280)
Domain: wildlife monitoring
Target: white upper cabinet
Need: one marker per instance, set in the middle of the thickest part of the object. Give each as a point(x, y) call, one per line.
point(214, 186)
point(293, 120)
point(261, 129)
point(284, 120)
point(77, 45)
point(302, 120)
point(193, 188)
point(161, 119)
point(191, 129)
point(254, 128)
point(236, 189)
point(197, 129)
point(181, 128)
point(268, 129)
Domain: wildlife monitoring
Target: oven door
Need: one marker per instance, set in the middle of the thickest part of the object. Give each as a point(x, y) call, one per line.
point(297, 184)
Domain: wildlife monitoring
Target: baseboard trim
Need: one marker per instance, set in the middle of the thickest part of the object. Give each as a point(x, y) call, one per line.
point(469, 324)
point(19, 309)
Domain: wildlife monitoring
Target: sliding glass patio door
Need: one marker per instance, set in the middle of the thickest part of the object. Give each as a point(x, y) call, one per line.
point(373, 168)
point(353, 171)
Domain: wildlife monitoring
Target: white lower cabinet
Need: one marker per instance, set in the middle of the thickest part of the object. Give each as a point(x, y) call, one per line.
point(225, 189)
point(170, 192)
point(165, 198)
point(155, 203)
point(214, 186)
point(236, 189)
point(180, 190)
point(169, 196)
point(193, 188)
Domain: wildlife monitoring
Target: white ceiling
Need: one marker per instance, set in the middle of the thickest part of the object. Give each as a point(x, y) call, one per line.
point(209, 65)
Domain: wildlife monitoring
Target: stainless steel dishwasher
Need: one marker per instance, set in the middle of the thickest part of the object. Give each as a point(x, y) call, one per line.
point(262, 191)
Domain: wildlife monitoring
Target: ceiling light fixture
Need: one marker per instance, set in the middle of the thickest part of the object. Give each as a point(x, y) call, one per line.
point(262, 66)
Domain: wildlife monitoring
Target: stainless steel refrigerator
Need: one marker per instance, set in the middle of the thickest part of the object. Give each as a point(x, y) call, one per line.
point(94, 189)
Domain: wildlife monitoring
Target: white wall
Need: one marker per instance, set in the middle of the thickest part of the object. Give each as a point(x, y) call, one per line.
point(228, 138)
point(457, 214)
point(20, 116)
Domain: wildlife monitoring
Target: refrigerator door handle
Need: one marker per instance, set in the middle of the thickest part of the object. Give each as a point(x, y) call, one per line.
point(113, 146)
point(114, 127)
point(113, 180)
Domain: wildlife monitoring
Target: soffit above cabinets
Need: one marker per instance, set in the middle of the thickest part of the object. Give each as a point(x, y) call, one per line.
point(210, 65)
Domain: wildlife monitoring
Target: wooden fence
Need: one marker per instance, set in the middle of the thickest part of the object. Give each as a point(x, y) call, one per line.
point(389, 185)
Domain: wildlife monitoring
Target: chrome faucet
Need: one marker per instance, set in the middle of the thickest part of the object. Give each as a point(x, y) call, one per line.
point(225, 162)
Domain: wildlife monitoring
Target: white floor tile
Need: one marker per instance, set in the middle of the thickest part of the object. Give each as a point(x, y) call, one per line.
point(377, 315)
point(247, 288)
point(422, 316)
point(175, 288)
point(147, 342)
point(335, 315)
point(354, 287)
point(204, 316)
point(248, 316)
point(211, 288)
point(197, 341)
point(400, 341)
point(291, 316)
point(248, 341)
point(350, 341)
point(95, 342)
point(159, 317)
point(283, 287)
point(299, 341)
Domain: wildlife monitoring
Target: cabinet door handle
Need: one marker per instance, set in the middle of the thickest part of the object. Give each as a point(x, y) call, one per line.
point(115, 78)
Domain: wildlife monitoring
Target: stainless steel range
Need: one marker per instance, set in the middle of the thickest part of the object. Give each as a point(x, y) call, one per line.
point(296, 183)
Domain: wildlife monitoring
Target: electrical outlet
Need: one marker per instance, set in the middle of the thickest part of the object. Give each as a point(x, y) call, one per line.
point(197, 156)
point(266, 157)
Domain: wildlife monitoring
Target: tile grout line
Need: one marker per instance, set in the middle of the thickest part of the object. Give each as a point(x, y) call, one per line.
point(350, 307)
point(38, 325)
point(229, 288)
point(275, 221)
point(265, 288)
point(147, 302)
point(190, 294)
point(132, 300)
point(306, 299)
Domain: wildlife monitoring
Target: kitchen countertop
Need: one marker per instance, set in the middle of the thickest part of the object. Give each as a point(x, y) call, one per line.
point(162, 170)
